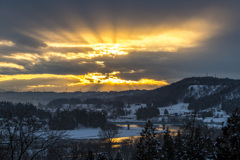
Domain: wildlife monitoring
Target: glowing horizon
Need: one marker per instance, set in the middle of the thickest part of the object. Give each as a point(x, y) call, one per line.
point(77, 81)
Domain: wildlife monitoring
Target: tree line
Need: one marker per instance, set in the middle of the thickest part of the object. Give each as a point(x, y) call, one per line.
point(68, 120)
point(192, 141)
point(145, 113)
point(60, 120)
point(23, 137)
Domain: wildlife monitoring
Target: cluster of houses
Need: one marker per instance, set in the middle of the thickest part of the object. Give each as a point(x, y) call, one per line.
point(167, 114)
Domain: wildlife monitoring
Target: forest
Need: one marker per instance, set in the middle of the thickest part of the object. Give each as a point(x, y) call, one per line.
point(26, 134)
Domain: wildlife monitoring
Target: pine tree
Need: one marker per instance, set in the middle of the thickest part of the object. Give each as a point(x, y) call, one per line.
point(197, 143)
point(179, 145)
point(228, 145)
point(90, 155)
point(102, 156)
point(118, 156)
point(148, 146)
point(166, 111)
point(168, 148)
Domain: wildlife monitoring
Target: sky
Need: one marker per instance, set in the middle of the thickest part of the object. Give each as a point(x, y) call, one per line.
point(106, 45)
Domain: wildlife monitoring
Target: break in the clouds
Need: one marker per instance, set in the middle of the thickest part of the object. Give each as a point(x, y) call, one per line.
point(115, 45)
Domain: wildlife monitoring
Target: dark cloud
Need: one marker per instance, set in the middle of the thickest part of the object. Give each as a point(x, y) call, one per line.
point(26, 85)
point(22, 40)
point(68, 49)
point(30, 15)
point(65, 67)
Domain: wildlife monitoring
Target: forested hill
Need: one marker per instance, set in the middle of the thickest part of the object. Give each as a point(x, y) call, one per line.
point(46, 97)
point(199, 92)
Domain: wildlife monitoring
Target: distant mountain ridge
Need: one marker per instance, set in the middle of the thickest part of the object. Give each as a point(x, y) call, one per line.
point(208, 81)
point(199, 92)
point(45, 97)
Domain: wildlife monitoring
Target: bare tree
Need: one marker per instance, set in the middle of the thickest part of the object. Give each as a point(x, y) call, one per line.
point(108, 134)
point(25, 137)
point(197, 140)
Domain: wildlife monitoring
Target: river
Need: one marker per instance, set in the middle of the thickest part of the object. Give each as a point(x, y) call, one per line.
point(134, 133)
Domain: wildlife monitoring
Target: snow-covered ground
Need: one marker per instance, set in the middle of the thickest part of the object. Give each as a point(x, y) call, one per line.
point(134, 131)
point(202, 90)
point(211, 119)
point(179, 108)
point(134, 107)
point(83, 133)
point(93, 133)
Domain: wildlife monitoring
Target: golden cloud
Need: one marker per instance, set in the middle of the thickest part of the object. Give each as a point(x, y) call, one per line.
point(6, 43)
point(164, 37)
point(11, 65)
point(41, 86)
point(99, 50)
point(108, 81)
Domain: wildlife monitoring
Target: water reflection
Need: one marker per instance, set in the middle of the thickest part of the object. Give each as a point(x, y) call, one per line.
point(119, 141)
point(171, 128)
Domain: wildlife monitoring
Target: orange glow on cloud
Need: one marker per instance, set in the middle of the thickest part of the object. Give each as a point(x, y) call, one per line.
point(6, 43)
point(99, 78)
point(158, 38)
point(41, 86)
point(99, 50)
point(10, 65)
point(109, 81)
point(169, 41)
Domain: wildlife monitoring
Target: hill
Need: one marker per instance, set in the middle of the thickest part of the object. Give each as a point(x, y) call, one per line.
point(199, 92)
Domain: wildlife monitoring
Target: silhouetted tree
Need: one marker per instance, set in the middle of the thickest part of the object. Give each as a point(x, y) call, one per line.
point(168, 147)
point(166, 111)
point(179, 146)
point(102, 156)
point(147, 112)
point(228, 145)
point(90, 155)
point(197, 141)
point(148, 145)
point(26, 138)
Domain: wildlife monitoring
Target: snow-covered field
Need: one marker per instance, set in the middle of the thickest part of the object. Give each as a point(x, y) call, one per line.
point(83, 133)
point(179, 108)
point(93, 133)
point(211, 119)
point(134, 107)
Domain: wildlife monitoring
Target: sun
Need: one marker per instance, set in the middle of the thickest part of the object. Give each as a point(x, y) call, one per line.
point(97, 50)
point(110, 49)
